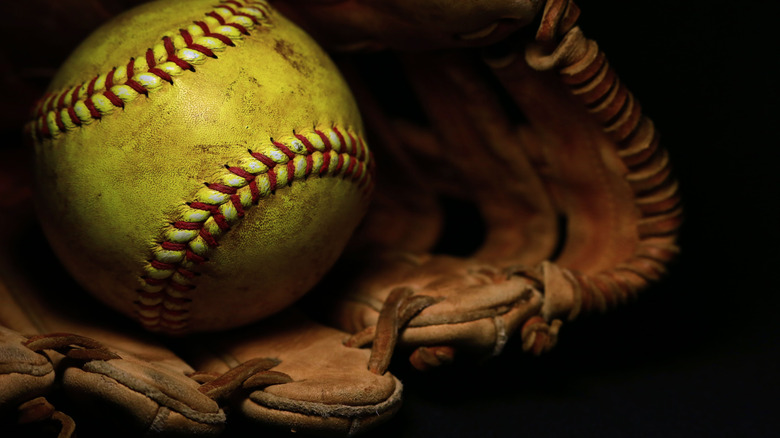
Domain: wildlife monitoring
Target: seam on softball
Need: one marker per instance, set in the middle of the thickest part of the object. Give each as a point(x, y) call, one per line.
point(163, 299)
point(176, 52)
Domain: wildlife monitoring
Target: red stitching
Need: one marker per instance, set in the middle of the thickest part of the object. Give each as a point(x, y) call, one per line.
point(325, 140)
point(325, 162)
point(45, 129)
point(186, 273)
point(193, 257)
point(130, 68)
point(231, 10)
point(206, 235)
point(225, 40)
point(132, 83)
point(217, 17)
point(171, 50)
point(110, 95)
point(183, 225)
point(137, 87)
point(38, 111)
point(172, 246)
point(290, 171)
point(309, 165)
point(306, 143)
point(221, 188)
point(236, 201)
point(358, 173)
point(150, 61)
point(220, 220)
point(110, 78)
point(241, 172)
point(114, 99)
point(50, 104)
point(73, 117)
point(75, 95)
point(254, 191)
point(91, 87)
point(162, 265)
point(61, 100)
point(285, 150)
point(353, 151)
point(234, 12)
point(356, 169)
point(263, 159)
point(240, 28)
point(271, 179)
point(203, 26)
point(93, 112)
point(362, 155)
point(350, 168)
point(162, 75)
point(58, 120)
point(341, 138)
point(155, 281)
point(200, 48)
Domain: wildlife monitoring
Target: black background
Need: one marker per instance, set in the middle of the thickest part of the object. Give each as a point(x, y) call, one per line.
point(696, 355)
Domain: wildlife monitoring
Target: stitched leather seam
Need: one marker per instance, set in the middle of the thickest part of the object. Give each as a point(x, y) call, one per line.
point(59, 112)
point(163, 300)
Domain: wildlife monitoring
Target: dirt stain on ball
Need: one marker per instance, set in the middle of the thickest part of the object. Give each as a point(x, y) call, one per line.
point(287, 51)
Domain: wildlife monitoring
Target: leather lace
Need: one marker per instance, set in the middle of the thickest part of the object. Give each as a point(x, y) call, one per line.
point(250, 375)
point(400, 307)
point(72, 346)
point(39, 410)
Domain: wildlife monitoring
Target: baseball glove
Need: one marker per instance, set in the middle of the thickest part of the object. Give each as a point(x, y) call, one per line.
point(57, 342)
point(578, 206)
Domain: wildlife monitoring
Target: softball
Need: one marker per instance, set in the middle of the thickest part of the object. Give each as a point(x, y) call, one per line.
point(199, 166)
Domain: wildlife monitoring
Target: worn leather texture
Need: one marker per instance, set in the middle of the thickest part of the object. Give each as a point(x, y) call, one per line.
point(578, 208)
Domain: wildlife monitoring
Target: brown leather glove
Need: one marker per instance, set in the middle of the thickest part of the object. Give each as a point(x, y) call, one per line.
point(287, 373)
point(578, 206)
point(55, 341)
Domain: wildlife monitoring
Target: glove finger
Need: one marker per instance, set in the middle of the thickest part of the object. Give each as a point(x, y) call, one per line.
point(609, 176)
point(319, 385)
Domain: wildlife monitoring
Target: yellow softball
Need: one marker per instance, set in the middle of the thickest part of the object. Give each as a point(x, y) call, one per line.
point(199, 166)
